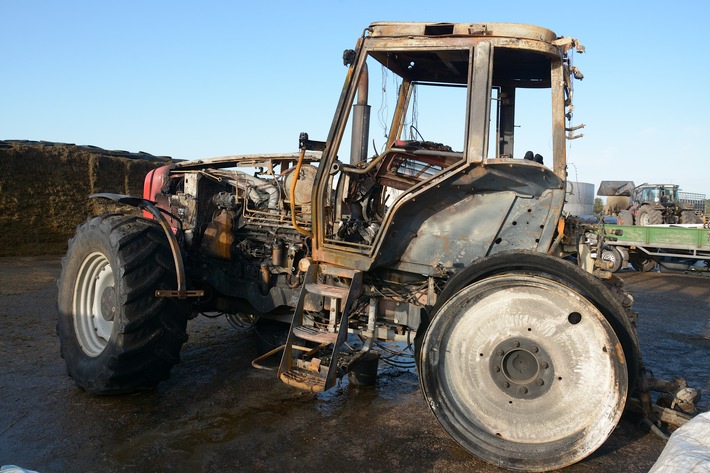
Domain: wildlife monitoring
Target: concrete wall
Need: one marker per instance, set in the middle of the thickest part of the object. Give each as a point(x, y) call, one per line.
point(44, 189)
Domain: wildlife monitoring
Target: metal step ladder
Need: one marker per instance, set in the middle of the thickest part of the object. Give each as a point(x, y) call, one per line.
point(305, 367)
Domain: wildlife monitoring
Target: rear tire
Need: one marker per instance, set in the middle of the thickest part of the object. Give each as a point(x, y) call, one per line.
point(690, 217)
point(115, 335)
point(625, 218)
point(537, 388)
point(524, 367)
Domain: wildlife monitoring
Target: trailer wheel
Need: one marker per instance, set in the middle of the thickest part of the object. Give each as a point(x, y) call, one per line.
point(642, 263)
point(115, 335)
point(524, 372)
point(647, 215)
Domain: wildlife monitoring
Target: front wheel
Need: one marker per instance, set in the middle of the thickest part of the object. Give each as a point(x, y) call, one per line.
point(647, 215)
point(524, 372)
point(115, 335)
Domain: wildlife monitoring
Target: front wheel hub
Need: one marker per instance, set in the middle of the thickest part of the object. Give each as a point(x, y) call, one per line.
point(108, 303)
point(94, 304)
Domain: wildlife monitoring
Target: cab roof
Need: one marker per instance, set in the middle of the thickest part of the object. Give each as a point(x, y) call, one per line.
point(505, 30)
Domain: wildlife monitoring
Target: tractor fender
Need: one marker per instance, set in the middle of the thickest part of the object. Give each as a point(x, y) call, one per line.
point(157, 214)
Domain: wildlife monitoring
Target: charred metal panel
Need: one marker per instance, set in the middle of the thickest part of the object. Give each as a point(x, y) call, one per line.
point(460, 233)
point(478, 226)
point(509, 204)
point(480, 106)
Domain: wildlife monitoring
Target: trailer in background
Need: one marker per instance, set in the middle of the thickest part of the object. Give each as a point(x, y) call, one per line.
point(673, 247)
point(694, 199)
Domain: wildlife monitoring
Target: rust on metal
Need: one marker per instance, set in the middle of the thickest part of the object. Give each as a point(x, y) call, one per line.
point(442, 239)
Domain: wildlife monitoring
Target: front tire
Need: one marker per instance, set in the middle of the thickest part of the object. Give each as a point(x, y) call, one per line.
point(115, 335)
point(647, 215)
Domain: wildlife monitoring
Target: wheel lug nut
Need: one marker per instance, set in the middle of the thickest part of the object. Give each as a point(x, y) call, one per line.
point(506, 384)
point(516, 344)
point(540, 382)
point(535, 349)
point(523, 390)
point(545, 365)
point(497, 369)
point(501, 352)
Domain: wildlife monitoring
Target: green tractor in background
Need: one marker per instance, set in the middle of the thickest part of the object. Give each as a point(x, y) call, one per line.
point(648, 204)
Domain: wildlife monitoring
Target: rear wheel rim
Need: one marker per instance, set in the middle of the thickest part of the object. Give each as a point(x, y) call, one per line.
point(94, 304)
point(524, 372)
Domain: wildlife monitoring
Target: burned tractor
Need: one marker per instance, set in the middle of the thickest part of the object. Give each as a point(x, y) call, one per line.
point(418, 224)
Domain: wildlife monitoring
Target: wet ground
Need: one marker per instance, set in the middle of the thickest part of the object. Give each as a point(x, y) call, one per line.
point(216, 413)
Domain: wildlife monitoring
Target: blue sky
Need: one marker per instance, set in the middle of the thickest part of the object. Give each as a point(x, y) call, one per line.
point(214, 78)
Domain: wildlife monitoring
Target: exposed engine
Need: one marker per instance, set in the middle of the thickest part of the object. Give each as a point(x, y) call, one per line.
point(233, 221)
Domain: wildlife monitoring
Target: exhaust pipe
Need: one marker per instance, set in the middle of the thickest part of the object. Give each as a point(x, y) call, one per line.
point(361, 121)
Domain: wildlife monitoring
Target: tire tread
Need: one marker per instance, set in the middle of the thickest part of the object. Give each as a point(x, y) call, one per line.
point(147, 343)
